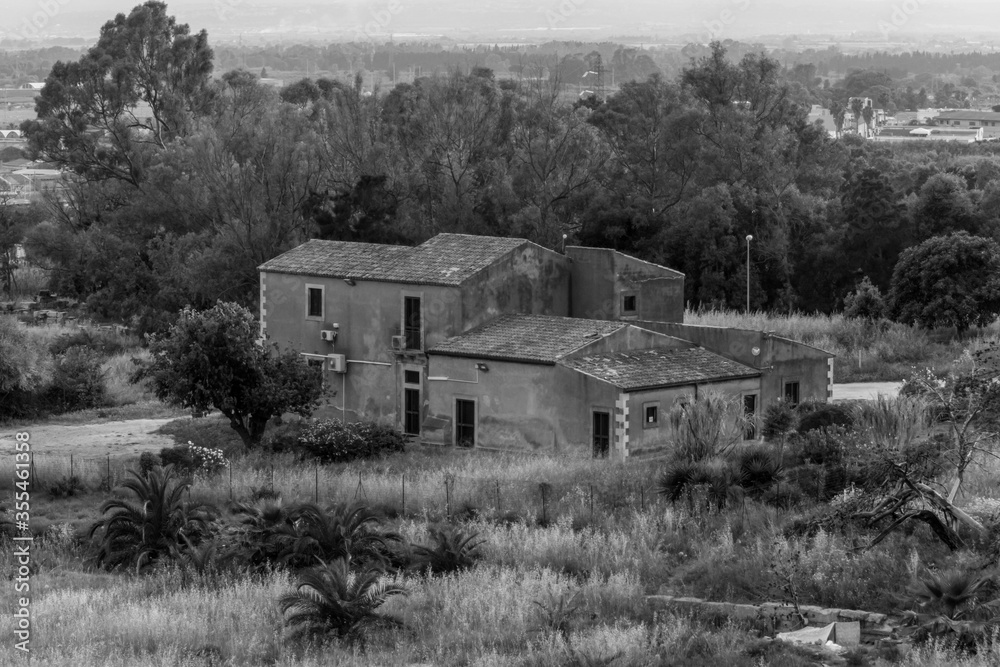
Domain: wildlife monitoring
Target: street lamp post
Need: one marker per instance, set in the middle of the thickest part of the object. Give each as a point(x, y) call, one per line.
point(749, 239)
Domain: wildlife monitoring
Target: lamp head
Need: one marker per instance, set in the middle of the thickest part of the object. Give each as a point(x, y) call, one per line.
point(749, 238)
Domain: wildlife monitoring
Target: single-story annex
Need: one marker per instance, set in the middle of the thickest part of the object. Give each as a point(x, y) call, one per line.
point(492, 342)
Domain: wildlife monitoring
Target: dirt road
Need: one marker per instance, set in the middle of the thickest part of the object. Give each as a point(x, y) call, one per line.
point(864, 390)
point(117, 438)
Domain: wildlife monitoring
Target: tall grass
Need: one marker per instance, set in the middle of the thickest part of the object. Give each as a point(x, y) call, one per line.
point(866, 352)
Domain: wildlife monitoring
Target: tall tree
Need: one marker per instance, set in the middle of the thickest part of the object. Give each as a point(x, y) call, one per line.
point(139, 87)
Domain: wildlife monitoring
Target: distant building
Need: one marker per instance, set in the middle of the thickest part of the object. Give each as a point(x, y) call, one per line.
point(897, 134)
point(818, 113)
point(988, 121)
point(35, 85)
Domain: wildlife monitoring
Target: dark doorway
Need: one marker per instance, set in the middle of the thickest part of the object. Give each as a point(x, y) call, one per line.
point(750, 412)
point(411, 411)
point(602, 434)
point(465, 422)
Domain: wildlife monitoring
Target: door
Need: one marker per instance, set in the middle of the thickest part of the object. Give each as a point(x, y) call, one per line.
point(465, 422)
point(602, 434)
point(411, 411)
point(412, 325)
point(750, 412)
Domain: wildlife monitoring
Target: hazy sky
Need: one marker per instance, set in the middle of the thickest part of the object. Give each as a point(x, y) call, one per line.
point(558, 19)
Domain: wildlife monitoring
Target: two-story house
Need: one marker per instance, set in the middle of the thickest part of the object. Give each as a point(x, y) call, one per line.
point(501, 343)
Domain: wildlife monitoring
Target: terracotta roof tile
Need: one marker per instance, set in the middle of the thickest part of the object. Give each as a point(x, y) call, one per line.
point(531, 338)
point(446, 259)
point(647, 369)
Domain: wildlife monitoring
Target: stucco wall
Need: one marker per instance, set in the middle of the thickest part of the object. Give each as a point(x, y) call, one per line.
point(520, 407)
point(369, 314)
point(780, 360)
point(602, 277)
point(643, 440)
point(530, 280)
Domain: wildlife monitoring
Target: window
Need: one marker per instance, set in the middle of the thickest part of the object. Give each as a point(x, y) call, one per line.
point(650, 415)
point(314, 302)
point(750, 412)
point(629, 303)
point(602, 434)
point(465, 422)
point(411, 377)
point(792, 393)
point(411, 411)
point(411, 322)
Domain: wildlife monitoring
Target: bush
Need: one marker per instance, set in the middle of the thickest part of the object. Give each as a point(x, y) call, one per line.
point(331, 441)
point(284, 438)
point(105, 342)
point(77, 381)
point(66, 487)
point(865, 302)
point(779, 419)
point(148, 461)
point(191, 459)
point(824, 415)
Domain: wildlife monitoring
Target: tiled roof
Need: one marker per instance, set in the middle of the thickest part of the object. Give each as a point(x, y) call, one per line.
point(648, 369)
point(446, 259)
point(533, 338)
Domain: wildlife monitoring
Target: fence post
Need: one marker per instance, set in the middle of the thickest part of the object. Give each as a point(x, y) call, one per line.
point(543, 487)
point(499, 510)
point(110, 485)
point(70, 465)
point(402, 478)
point(591, 503)
point(642, 498)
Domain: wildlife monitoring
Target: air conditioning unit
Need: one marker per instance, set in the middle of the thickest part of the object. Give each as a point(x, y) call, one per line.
point(338, 363)
point(399, 342)
point(328, 335)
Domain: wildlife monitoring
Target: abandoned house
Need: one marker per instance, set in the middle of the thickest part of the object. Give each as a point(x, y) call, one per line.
point(500, 343)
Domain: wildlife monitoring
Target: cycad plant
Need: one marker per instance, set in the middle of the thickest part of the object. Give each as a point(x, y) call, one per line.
point(450, 550)
point(342, 531)
point(331, 599)
point(266, 530)
point(156, 524)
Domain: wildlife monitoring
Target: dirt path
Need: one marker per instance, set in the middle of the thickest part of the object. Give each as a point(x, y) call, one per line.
point(849, 391)
point(117, 438)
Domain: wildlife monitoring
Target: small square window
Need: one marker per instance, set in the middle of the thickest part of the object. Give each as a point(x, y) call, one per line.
point(411, 377)
point(652, 414)
point(628, 303)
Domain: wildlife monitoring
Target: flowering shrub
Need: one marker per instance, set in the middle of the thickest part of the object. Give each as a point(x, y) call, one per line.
point(331, 441)
point(191, 459)
point(208, 461)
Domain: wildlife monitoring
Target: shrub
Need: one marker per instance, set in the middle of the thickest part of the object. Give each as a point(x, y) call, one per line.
point(331, 441)
point(180, 457)
point(284, 438)
point(191, 459)
point(105, 342)
point(825, 415)
point(66, 487)
point(148, 461)
point(451, 550)
point(25, 368)
point(865, 302)
point(77, 380)
point(779, 419)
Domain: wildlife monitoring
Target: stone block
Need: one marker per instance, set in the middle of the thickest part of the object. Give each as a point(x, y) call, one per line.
point(848, 634)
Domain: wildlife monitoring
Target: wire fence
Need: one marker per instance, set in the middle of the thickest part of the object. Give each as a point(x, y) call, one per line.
point(436, 494)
